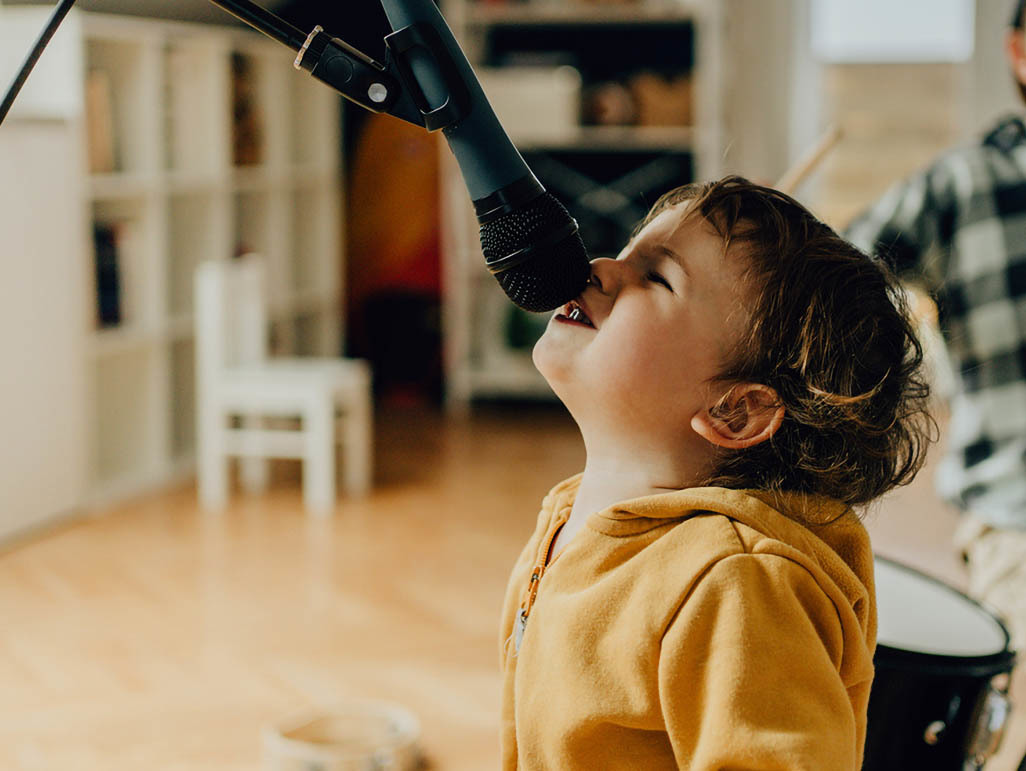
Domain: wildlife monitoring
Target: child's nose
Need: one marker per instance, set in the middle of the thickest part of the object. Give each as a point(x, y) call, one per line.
point(606, 273)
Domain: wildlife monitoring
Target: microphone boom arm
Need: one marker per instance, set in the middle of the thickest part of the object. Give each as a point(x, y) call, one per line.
point(390, 87)
point(263, 21)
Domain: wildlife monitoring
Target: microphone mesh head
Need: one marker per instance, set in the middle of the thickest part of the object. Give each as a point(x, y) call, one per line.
point(554, 272)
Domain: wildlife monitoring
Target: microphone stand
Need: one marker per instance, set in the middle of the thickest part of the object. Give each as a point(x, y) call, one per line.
point(44, 37)
point(353, 74)
point(264, 21)
point(380, 87)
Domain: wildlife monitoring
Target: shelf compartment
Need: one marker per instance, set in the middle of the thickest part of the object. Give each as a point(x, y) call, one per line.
point(500, 328)
point(126, 248)
point(255, 179)
point(503, 336)
point(669, 47)
point(315, 113)
point(196, 224)
point(608, 193)
point(578, 13)
point(119, 111)
point(110, 342)
point(191, 182)
point(196, 88)
point(616, 139)
point(315, 221)
point(128, 426)
point(122, 185)
point(180, 327)
point(258, 89)
point(317, 298)
point(251, 215)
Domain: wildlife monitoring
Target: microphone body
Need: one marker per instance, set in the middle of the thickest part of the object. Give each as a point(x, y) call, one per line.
point(530, 242)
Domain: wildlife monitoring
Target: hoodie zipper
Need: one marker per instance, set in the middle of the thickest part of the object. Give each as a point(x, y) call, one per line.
point(520, 625)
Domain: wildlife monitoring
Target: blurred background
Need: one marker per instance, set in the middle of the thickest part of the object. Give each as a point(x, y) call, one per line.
point(155, 622)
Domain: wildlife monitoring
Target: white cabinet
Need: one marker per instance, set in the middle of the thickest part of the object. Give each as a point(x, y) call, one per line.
point(649, 118)
point(171, 144)
point(42, 374)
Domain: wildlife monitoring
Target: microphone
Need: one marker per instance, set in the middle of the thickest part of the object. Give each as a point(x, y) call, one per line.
point(531, 244)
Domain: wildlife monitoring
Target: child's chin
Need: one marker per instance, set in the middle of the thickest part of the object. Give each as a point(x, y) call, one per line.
point(548, 361)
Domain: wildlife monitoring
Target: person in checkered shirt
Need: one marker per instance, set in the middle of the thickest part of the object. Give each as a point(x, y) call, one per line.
point(959, 226)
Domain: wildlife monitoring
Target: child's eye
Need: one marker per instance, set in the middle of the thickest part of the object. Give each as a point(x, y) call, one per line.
point(656, 278)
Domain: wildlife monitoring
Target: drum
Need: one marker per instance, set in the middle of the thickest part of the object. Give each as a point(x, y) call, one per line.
point(939, 699)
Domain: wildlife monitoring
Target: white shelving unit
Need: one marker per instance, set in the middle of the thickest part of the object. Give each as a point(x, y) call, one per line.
point(217, 146)
point(479, 363)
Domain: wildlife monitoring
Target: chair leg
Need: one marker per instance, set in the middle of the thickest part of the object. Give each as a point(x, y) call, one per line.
point(358, 446)
point(319, 456)
point(253, 470)
point(211, 461)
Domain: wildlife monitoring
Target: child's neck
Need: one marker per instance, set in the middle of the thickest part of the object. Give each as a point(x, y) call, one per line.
point(611, 478)
point(603, 485)
point(620, 467)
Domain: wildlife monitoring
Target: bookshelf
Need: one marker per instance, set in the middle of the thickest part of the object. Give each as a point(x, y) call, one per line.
point(196, 142)
point(606, 156)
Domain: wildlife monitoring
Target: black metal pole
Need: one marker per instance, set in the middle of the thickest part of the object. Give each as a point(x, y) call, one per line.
point(252, 14)
point(19, 80)
point(264, 21)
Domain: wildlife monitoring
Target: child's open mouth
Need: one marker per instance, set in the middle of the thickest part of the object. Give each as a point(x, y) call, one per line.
point(573, 313)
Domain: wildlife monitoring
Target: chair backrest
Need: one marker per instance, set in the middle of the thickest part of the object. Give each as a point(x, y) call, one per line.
point(230, 314)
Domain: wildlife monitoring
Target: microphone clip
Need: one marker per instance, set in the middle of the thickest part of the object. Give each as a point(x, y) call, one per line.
point(401, 44)
point(391, 87)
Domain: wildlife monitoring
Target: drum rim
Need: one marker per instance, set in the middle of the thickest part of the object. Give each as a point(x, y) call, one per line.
point(942, 664)
point(948, 660)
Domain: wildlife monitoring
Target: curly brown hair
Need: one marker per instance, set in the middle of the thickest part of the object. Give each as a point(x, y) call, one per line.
point(829, 330)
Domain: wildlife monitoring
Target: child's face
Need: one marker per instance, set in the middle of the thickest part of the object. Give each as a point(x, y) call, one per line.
point(662, 317)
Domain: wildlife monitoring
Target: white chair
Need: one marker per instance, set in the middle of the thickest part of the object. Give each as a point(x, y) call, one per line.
point(238, 387)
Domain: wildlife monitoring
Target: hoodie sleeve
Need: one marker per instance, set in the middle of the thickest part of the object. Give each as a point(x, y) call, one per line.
point(749, 673)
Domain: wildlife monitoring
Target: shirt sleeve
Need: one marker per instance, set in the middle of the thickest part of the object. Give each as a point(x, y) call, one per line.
point(749, 673)
point(912, 225)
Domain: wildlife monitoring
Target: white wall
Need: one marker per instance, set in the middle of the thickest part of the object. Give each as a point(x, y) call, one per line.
point(991, 89)
point(772, 87)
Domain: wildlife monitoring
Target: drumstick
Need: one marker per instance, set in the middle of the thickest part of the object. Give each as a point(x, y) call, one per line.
point(799, 171)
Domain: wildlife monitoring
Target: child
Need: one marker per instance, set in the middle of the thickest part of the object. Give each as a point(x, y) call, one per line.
point(701, 596)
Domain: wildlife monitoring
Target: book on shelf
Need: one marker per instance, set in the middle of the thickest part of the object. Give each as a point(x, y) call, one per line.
point(247, 137)
point(99, 111)
point(108, 278)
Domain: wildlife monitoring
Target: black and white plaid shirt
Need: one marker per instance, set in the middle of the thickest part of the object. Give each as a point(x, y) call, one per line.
point(960, 226)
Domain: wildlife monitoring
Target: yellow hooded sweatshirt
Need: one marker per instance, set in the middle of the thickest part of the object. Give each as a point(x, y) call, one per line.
point(702, 629)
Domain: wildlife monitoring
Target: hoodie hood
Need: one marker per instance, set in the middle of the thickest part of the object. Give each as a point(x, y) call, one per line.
point(824, 534)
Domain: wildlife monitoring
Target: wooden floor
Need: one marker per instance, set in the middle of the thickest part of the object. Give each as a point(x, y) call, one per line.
point(154, 636)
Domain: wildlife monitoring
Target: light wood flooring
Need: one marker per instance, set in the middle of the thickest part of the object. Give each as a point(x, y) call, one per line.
point(155, 636)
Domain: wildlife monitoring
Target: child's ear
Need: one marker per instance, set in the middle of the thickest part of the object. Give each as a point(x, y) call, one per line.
point(749, 414)
point(1015, 51)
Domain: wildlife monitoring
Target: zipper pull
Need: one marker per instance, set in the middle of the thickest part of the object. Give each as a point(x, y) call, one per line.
point(518, 631)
